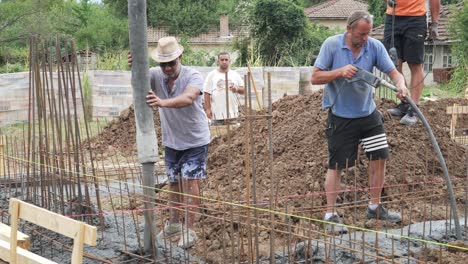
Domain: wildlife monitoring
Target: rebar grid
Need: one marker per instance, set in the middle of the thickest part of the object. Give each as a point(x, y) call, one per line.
point(51, 167)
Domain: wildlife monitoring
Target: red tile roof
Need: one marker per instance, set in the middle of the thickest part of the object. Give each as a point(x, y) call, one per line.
point(335, 9)
point(444, 35)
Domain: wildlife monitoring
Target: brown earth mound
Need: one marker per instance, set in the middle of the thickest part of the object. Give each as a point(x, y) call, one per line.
point(300, 158)
point(120, 134)
point(414, 178)
point(300, 149)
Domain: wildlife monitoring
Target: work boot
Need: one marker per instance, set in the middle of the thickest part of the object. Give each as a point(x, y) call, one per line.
point(382, 213)
point(172, 229)
point(410, 118)
point(400, 110)
point(188, 238)
point(333, 228)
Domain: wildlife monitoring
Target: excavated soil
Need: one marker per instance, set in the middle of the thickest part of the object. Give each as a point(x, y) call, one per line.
point(119, 135)
point(414, 177)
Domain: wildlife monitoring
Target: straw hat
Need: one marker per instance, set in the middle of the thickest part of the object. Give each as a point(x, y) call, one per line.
point(167, 50)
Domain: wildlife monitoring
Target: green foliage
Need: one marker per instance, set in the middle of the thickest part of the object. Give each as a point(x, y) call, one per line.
point(449, 2)
point(197, 57)
point(87, 97)
point(377, 9)
point(183, 17)
point(93, 26)
point(112, 60)
point(307, 3)
point(19, 19)
point(281, 33)
point(459, 31)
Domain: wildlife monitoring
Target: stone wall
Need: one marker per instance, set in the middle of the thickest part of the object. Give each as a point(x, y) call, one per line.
point(14, 97)
point(112, 91)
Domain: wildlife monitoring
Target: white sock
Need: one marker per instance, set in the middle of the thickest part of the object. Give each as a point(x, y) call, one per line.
point(373, 206)
point(329, 215)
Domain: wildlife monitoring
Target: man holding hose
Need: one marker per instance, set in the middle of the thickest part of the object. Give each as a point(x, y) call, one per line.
point(352, 115)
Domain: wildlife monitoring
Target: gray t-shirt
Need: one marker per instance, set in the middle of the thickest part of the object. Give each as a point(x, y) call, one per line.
point(186, 127)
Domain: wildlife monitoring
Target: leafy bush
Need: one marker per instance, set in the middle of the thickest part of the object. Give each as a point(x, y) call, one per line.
point(112, 60)
point(93, 26)
point(459, 31)
point(281, 34)
point(11, 68)
point(13, 59)
point(377, 9)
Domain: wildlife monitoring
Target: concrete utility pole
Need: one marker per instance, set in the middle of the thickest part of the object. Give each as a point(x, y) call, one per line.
point(146, 135)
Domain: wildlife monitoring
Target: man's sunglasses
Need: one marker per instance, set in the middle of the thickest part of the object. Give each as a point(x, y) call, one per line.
point(170, 63)
point(366, 17)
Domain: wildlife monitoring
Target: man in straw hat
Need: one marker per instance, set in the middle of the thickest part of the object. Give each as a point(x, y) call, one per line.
point(176, 90)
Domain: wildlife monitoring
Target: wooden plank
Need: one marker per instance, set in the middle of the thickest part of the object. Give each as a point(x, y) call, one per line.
point(22, 256)
point(55, 222)
point(2, 155)
point(77, 253)
point(23, 239)
point(461, 139)
point(457, 109)
point(14, 221)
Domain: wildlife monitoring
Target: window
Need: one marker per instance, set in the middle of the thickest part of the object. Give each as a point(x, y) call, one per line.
point(447, 57)
point(428, 57)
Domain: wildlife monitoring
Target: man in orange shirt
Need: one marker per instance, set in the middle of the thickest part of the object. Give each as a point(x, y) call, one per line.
point(409, 32)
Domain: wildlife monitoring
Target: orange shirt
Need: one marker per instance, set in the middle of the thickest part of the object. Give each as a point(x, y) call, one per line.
point(408, 8)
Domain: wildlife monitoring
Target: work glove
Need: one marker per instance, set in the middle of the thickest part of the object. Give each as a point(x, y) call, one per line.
point(391, 3)
point(434, 31)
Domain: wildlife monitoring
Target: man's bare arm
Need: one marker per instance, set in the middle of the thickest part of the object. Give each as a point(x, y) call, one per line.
point(185, 99)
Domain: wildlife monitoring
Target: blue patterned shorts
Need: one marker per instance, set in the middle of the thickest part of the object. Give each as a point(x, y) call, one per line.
point(189, 164)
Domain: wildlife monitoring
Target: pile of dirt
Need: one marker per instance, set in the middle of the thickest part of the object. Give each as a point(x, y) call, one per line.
point(414, 178)
point(300, 149)
point(300, 161)
point(119, 135)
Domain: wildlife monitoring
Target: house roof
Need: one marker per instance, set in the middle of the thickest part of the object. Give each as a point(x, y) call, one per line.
point(335, 9)
point(444, 35)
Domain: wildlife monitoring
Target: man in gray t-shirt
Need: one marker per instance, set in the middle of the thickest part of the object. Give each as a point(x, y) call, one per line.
point(176, 90)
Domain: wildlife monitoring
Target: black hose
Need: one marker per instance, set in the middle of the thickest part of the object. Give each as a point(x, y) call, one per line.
point(437, 150)
point(448, 181)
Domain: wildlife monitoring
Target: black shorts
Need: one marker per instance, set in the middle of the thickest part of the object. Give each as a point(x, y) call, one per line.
point(410, 33)
point(345, 134)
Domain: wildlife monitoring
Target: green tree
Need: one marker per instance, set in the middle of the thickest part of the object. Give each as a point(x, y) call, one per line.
point(282, 34)
point(377, 9)
point(449, 2)
point(93, 26)
point(182, 17)
point(459, 31)
point(20, 18)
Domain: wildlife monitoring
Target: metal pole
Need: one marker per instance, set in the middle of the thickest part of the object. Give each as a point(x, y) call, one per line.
point(146, 135)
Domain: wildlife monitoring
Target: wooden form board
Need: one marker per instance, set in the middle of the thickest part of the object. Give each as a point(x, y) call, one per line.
point(23, 239)
point(79, 231)
point(455, 111)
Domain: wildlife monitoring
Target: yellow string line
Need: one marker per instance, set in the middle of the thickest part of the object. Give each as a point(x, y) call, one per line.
point(258, 208)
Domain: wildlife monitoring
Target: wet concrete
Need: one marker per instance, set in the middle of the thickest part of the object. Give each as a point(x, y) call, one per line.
point(397, 244)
